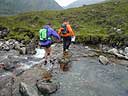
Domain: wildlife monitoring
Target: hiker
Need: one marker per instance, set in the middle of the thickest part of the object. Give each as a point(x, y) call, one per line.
point(67, 34)
point(46, 34)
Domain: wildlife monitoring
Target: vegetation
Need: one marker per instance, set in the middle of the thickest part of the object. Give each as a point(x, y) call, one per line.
point(99, 23)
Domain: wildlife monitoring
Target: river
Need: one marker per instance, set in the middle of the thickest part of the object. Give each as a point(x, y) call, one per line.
point(86, 75)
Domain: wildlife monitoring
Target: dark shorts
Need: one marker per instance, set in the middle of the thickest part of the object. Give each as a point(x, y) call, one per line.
point(46, 46)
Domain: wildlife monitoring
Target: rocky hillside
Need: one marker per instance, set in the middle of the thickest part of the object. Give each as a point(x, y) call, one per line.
point(79, 3)
point(17, 6)
point(93, 24)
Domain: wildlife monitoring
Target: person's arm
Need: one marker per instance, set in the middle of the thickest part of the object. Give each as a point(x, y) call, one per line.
point(59, 31)
point(70, 30)
point(54, 34)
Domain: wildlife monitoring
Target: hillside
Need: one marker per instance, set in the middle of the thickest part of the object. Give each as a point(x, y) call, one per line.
point(79, 3)
point(99, 23)
point(17, 6)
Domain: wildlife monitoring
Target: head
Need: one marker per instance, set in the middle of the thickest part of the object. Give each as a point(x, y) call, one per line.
point(66, 20)
point(47, 25)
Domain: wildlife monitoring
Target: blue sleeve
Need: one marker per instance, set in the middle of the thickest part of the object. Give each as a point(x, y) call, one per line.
point(54, 34)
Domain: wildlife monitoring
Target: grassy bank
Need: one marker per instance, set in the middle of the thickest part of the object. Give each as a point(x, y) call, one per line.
point(98, 23)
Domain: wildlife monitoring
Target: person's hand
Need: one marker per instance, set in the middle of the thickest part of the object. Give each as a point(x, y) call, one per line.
point(58, 41)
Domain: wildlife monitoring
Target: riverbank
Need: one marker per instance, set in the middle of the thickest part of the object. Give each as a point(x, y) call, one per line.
point(85, 72)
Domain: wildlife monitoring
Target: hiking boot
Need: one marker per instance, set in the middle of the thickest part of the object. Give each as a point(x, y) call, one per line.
point(45, 62)
point(66, 50)
point(52, 62)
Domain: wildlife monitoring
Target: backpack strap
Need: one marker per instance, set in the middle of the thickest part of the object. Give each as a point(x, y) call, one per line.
point(48, 37)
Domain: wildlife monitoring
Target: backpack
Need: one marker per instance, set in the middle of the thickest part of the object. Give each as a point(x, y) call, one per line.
point(64, 31)
point(44, 35)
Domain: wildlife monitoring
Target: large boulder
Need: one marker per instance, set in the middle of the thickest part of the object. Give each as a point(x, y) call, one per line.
point(6, 85)
point(126, 50)
point(8, 65)
point(103, 60)
point(47, 87)
point(10, 62)
point(27, 90)
point(30, 49)
point(64, 60)
point(5, 47)
point(113, 51)
point(3, 31)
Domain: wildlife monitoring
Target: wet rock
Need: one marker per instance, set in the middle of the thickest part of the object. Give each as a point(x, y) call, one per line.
point(6, 84)
point(9, 66)
point(47, 76)
point(3, 31)
point(17, 45)
point(10, 63)
point(5, 47)
point(47, 87)
point(27, 90)
point(64, 60)
point(103, 60)
point(18, 72)
point(113, 51)
point(121, 51)
point(126, 50)
point(87, 48)
point(92, 54)
point(22, 50)
point(11, 43)
point(1, 69)
point(30, 49)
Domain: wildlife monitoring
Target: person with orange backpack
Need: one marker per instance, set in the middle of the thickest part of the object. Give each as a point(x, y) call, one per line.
point(66, 32)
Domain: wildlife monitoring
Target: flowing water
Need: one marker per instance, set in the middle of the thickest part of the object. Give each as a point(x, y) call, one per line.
point(86, 76)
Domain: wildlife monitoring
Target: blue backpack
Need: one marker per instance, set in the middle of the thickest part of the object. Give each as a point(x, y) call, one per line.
point(64, 26)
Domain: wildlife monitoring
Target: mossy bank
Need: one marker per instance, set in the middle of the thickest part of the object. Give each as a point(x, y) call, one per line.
point(105, 23)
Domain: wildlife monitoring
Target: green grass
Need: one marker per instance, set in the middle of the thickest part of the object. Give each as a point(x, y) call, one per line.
point(92, 24)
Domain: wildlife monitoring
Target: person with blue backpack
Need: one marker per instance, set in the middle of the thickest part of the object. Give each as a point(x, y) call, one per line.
point(46, 33)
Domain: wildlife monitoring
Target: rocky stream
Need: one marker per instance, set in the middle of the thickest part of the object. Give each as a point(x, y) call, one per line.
point(88, 71)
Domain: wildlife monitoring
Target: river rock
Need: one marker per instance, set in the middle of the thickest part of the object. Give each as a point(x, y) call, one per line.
point(47, 87)
point(113, 51)
point(3, 31)
point(6, 85)
point(11, 43)
point(17, 45)
point(27, 90)
point(22, 50)
point(103, 60)
point(64, 61)
point(10, 63)
point(126, 50)
point(5, 47)
point(30, 49)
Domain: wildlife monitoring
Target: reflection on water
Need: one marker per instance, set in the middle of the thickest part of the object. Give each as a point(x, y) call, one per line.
point(87, 77)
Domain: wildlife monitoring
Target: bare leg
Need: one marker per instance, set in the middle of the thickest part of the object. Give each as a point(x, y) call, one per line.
point(47, 53)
